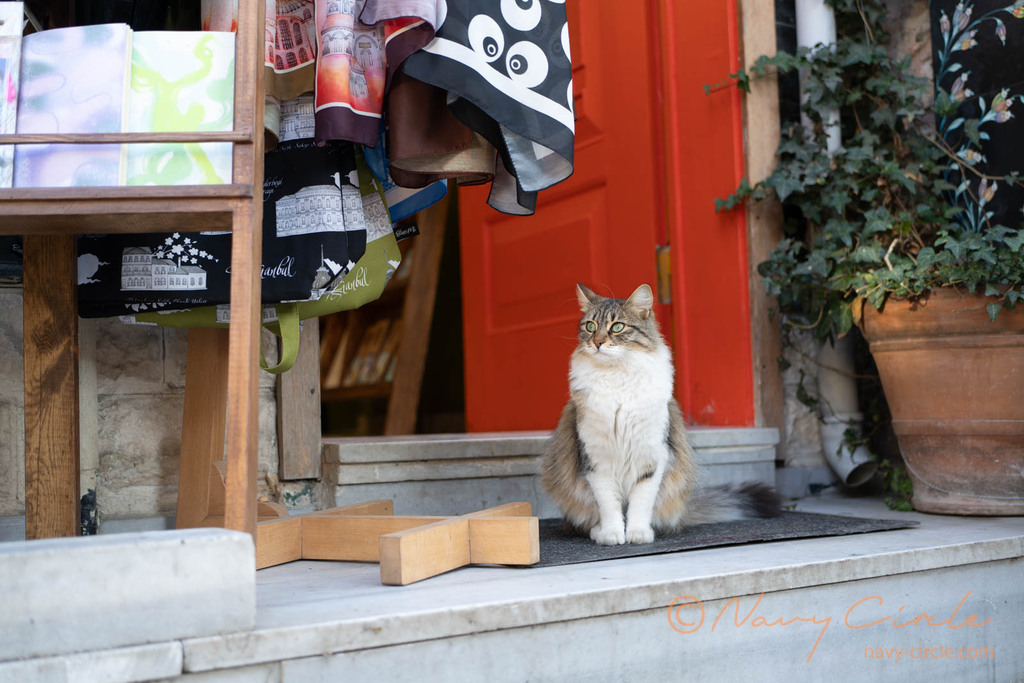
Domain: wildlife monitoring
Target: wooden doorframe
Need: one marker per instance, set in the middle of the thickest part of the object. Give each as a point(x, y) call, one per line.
point(762, 133)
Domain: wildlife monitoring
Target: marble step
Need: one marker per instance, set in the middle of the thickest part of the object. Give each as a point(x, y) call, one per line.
point(455, 473)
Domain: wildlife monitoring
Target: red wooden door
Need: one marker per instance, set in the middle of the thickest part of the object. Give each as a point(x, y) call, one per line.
point(601, 226)
point(598, 227)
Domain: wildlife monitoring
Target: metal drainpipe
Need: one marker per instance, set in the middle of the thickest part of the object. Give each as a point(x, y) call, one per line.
point(816, 25)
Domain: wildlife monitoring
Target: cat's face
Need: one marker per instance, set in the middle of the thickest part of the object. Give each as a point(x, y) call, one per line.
point(612, 328)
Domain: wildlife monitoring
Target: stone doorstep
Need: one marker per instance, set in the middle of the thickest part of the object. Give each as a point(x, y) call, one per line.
point(90, 593)
point(375, 460)
point(453, 474)
point(529, 465)
point(428, 470)
point(451, 496)
point(508, 444)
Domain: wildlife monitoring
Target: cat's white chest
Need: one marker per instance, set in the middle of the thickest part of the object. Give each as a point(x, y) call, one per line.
point(622, 410)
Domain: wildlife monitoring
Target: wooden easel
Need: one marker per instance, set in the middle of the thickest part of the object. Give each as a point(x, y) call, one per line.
point(409, 549)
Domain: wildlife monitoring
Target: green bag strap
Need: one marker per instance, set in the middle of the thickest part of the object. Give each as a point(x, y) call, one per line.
point(288, 325)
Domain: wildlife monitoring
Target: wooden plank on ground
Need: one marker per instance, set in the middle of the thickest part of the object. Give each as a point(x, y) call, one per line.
point(409, 548)
point(217, 521)
point(417, 554)
point(355, 538)
point(278, 541)
point(504, 540)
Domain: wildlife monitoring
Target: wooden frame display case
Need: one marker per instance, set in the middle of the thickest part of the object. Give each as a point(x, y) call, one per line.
point(50, 218)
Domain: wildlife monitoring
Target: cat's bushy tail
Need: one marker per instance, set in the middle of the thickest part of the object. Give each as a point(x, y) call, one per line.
point(727, 503)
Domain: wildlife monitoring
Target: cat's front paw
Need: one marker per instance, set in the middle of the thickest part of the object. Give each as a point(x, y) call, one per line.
point(640, 534)
point(610, 536)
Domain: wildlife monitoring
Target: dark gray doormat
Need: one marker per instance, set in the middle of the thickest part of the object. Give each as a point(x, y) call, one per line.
point(557, 547)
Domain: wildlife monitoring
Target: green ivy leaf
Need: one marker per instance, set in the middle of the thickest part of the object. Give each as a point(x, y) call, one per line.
point(844, 319)
point(869, 253)
point(944, 104)
point(876, 297)
point(954, 247)
point(785, 185)
point(817, 264)
point(1015, 241)
point(925, 258)
point(803, 396)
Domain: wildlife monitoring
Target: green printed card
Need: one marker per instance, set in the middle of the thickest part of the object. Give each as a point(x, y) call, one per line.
point(181, 81)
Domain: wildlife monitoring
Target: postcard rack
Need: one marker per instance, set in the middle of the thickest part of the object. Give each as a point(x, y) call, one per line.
point(50, 218)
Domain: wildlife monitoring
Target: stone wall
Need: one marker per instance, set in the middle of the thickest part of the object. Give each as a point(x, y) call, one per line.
point(132, 394)
point(12, 402)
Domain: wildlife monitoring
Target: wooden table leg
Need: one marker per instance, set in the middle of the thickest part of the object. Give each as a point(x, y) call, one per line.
point(202, 426)
point(52, 498)
point(243, 370)
point(246, 258)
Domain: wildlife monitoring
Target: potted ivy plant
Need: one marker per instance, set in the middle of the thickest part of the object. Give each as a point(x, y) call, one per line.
point(893, 232)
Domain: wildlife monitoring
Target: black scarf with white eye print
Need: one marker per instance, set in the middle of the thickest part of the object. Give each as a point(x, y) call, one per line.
point(505, 65)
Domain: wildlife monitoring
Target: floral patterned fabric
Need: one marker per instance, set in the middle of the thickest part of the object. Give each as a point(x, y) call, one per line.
point(979, 64)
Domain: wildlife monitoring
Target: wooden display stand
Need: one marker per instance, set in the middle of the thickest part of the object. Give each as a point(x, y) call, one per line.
point(50, 218)
point(409, 549)
point(221, 393)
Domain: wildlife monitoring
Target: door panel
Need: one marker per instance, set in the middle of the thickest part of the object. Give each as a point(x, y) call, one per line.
point(704, 159)
point(531, 265)
point(598, 227)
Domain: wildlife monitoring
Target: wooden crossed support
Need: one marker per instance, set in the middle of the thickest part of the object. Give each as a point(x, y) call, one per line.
point(409, 549)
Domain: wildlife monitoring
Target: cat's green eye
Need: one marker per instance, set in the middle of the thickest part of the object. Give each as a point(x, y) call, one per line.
point(590, 326)
point(618, 327)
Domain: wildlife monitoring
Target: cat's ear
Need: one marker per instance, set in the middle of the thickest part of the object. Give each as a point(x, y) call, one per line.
point(585, 297)
point(642, 299)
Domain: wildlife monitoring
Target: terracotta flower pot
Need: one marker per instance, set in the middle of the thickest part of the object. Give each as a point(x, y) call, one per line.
point(954, 381)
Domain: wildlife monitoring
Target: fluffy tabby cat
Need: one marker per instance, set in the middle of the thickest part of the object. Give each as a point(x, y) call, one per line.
point(619, 464)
